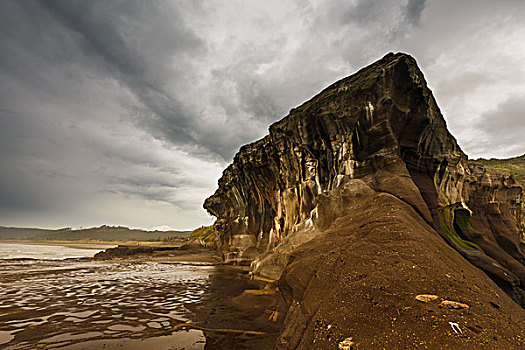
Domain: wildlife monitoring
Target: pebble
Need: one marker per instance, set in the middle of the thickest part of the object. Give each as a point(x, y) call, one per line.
point(346, 344)
point(425, 298)
point(448, 304)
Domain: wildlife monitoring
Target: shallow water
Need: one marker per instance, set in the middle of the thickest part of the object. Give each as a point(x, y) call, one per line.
point(39, 251)
point(82, 305)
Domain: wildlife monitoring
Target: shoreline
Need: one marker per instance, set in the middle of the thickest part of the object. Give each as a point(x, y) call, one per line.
point(190, 258)
point(87, 244)
point(98, 304)
point(179, 297)
point(196, 256)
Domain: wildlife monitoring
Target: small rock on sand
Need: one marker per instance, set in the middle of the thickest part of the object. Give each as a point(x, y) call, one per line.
point(346, 344)
point(425, 298)
point(448, 304)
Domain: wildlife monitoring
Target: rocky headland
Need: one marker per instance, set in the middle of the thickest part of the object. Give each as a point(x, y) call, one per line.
point(370, 226)
point(123, 251)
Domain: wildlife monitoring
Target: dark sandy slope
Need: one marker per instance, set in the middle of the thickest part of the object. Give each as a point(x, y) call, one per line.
point(359, 279)
point(358, 201)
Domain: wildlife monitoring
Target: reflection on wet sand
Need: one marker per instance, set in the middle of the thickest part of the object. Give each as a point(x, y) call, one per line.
point(77, 305)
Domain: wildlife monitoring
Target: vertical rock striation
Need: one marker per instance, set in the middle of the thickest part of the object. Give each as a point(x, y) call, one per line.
point(378, 131)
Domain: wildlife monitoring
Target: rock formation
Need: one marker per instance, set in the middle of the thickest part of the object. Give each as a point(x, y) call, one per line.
point(358, 196)
point(514, 166)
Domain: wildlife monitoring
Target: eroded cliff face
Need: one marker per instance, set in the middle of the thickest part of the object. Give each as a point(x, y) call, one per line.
point(378, 131)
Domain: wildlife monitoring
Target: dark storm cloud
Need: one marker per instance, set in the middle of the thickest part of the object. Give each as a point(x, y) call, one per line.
point(414, 9)
point(137, 40)
point(366, 12)
point(507, 117)
point(149, 48)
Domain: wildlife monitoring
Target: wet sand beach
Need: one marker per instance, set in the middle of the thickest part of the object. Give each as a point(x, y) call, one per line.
point(125, 304)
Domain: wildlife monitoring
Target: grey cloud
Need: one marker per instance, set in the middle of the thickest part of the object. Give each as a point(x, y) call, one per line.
point(130, 35)
point(456, 85)
point(363, 12)
point(138, 40)
point(149, 48)
point(392, 15)
point(124, 35)
point(149, 191)
point(504, 127)
point(15, 194)
point(414, 9)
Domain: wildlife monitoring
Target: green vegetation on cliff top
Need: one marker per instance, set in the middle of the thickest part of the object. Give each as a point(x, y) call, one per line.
point(204, 234)
point(514, 166)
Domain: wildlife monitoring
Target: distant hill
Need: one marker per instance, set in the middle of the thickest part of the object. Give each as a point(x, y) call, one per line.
point(102, 233)
point(514, 166)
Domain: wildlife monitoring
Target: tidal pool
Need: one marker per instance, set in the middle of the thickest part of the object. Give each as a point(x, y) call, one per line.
point(90, 304)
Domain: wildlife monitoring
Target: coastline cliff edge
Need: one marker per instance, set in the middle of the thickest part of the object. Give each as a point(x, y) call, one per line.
point(363, 214)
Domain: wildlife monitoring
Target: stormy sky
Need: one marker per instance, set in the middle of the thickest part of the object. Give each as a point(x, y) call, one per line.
point(126, 112)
